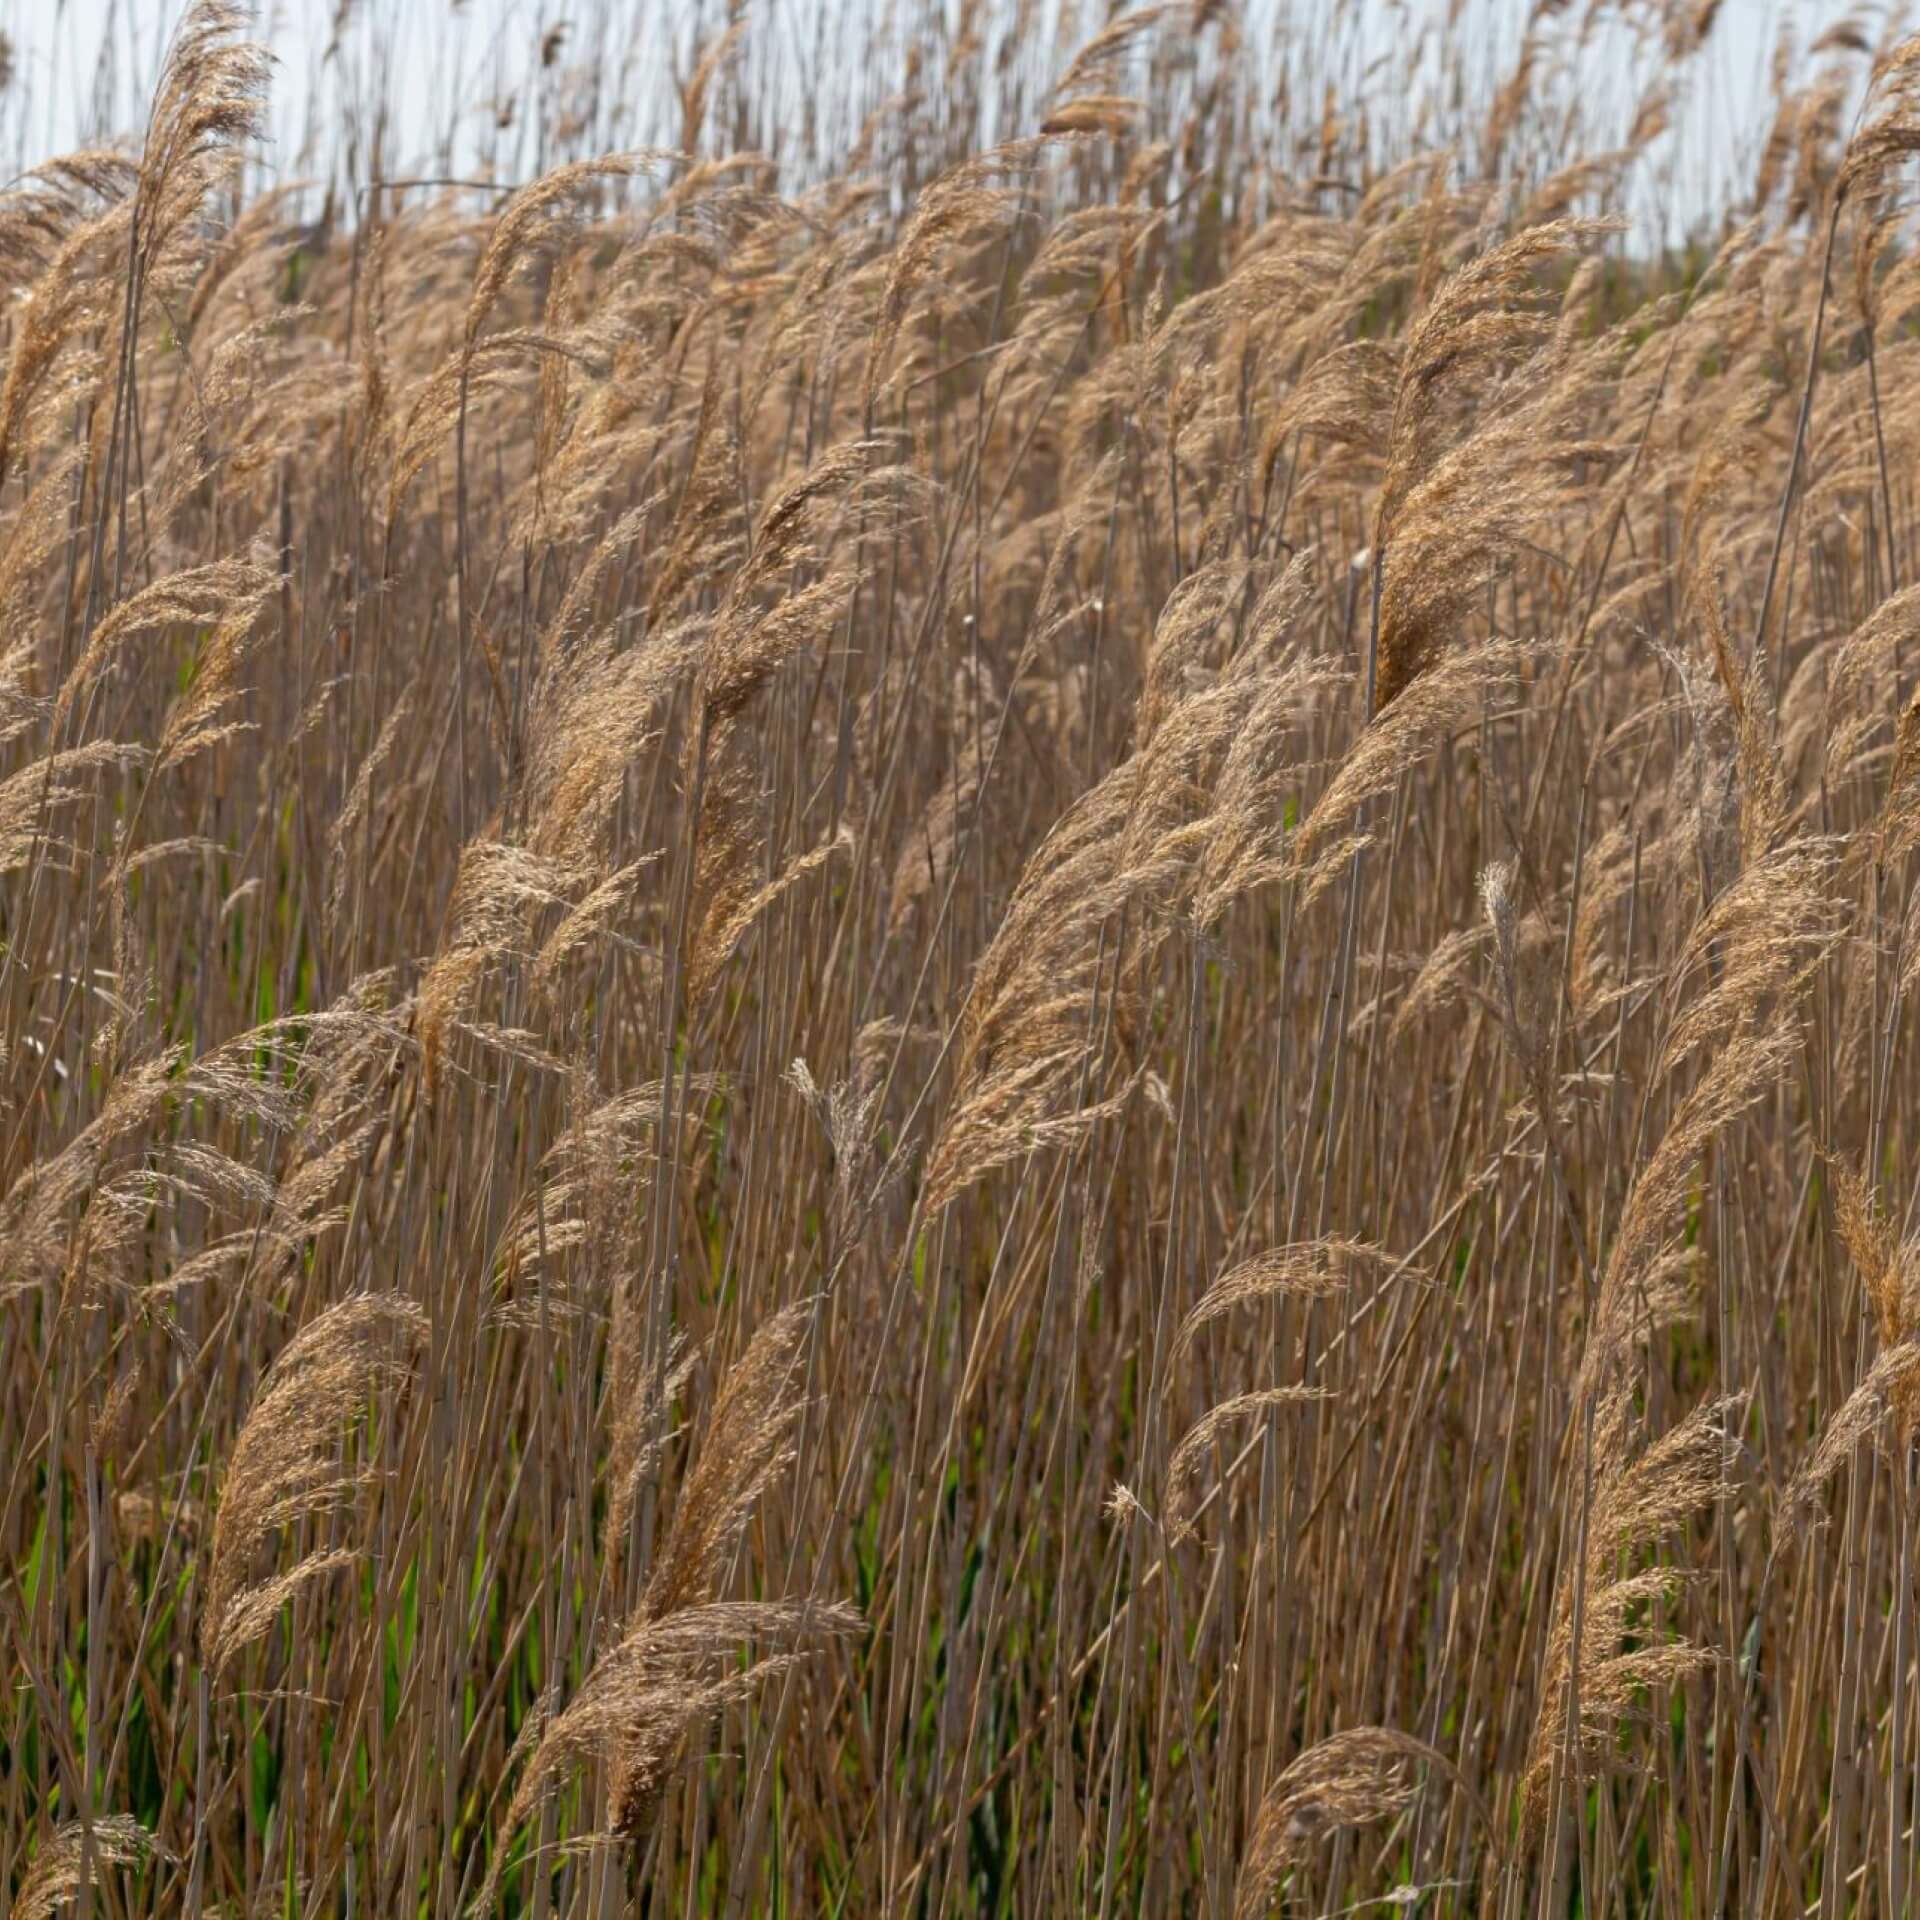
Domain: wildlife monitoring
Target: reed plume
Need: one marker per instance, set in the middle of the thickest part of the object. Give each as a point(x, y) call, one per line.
point(282, 1469)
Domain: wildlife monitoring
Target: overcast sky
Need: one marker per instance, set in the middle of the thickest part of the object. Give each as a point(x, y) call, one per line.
point(440, 62)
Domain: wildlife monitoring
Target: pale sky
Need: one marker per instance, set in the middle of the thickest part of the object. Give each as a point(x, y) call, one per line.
point(441, 61)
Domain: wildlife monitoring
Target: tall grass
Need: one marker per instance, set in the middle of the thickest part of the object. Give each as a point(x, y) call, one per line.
point(1005, 1012)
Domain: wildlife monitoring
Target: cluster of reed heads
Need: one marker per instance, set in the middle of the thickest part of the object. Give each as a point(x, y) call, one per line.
point(1014, 1028)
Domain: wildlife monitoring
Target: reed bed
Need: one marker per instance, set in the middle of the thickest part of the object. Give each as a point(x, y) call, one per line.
point(997, 1011)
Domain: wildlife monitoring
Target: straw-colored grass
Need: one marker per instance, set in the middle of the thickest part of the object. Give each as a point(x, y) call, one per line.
point(999, 1008)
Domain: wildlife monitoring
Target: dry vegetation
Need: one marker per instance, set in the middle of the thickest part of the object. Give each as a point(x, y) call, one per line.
point(968, 1029)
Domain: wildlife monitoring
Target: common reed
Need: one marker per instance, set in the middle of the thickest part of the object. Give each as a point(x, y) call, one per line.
point(959, 962)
